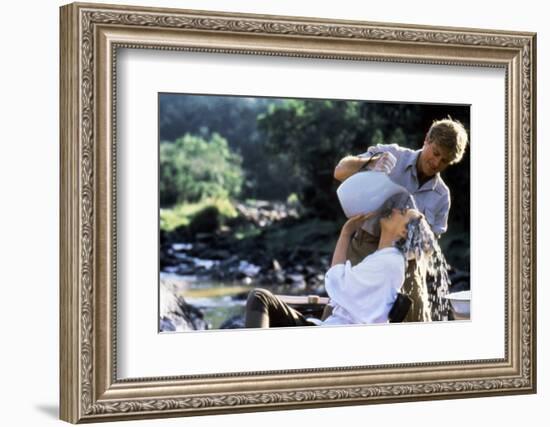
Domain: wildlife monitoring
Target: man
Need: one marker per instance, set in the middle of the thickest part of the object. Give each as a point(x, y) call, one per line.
point(419, 172)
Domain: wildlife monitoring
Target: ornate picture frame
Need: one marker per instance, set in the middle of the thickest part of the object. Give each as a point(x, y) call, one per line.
point(90, 37)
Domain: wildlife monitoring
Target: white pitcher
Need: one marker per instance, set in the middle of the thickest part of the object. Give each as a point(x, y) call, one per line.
point(366, 192)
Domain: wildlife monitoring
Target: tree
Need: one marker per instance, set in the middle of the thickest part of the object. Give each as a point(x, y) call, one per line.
point(192, 168)
point(312, 135)
point(234, 117)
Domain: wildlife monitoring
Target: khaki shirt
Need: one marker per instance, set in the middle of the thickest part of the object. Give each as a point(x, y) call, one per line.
point(432, 198)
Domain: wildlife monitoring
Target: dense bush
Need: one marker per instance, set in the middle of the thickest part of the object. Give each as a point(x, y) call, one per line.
point(193, 168)
point(235, 119)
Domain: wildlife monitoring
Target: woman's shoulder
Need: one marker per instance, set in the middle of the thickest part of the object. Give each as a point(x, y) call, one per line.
point(390, 257)
point(390, 252)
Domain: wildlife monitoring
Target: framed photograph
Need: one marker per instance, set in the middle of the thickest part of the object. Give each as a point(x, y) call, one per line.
point(225, 176)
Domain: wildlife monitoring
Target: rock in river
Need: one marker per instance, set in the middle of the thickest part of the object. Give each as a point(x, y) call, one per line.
point(175, 314)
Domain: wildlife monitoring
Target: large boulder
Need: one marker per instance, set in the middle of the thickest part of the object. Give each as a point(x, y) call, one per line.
point(176, 315)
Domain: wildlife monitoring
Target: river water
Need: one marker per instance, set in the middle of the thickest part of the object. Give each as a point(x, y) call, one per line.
point(220, 301)
point(217, 300)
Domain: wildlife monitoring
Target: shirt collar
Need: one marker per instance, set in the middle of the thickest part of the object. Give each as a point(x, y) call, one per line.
point(431, 184)
point(411, 160)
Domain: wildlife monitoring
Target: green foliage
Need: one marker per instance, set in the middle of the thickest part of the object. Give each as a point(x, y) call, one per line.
point(318, 235)
point(292, 146)
point(192, 169)
point(233, 117)
point(182, 214)
point(377, 137)
point(398, 137)
point(292, 199)
point(310, 136)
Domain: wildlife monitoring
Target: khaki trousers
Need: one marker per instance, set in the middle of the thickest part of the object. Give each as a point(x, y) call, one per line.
point(363, 244)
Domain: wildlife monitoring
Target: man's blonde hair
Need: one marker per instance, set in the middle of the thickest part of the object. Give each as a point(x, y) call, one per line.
point(451, 135)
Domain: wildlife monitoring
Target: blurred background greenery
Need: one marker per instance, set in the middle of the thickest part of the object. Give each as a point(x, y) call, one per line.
point(228, 147)
point(253, 177)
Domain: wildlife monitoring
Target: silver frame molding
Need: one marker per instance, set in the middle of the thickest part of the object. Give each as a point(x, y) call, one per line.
point(90, 37)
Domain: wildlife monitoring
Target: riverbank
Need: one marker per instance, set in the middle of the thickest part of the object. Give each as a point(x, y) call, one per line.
point(267, 244)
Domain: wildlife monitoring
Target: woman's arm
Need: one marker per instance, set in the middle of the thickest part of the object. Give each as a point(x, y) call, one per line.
point(348, 229)
point(341, 249)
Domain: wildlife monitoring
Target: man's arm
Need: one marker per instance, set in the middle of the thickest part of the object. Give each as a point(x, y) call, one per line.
point(350, 165)
point(379, 158)
point(441, 216)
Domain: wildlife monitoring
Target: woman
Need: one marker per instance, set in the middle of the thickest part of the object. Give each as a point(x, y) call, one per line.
point(363, 293)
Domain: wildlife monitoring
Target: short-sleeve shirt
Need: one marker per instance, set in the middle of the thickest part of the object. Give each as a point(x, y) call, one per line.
point(366, 292)
point(432, 198)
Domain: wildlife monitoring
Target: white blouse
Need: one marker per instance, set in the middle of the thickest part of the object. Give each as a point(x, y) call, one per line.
point(365, 292)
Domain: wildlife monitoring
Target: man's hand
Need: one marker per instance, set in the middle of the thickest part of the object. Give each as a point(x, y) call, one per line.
point(385, 163)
